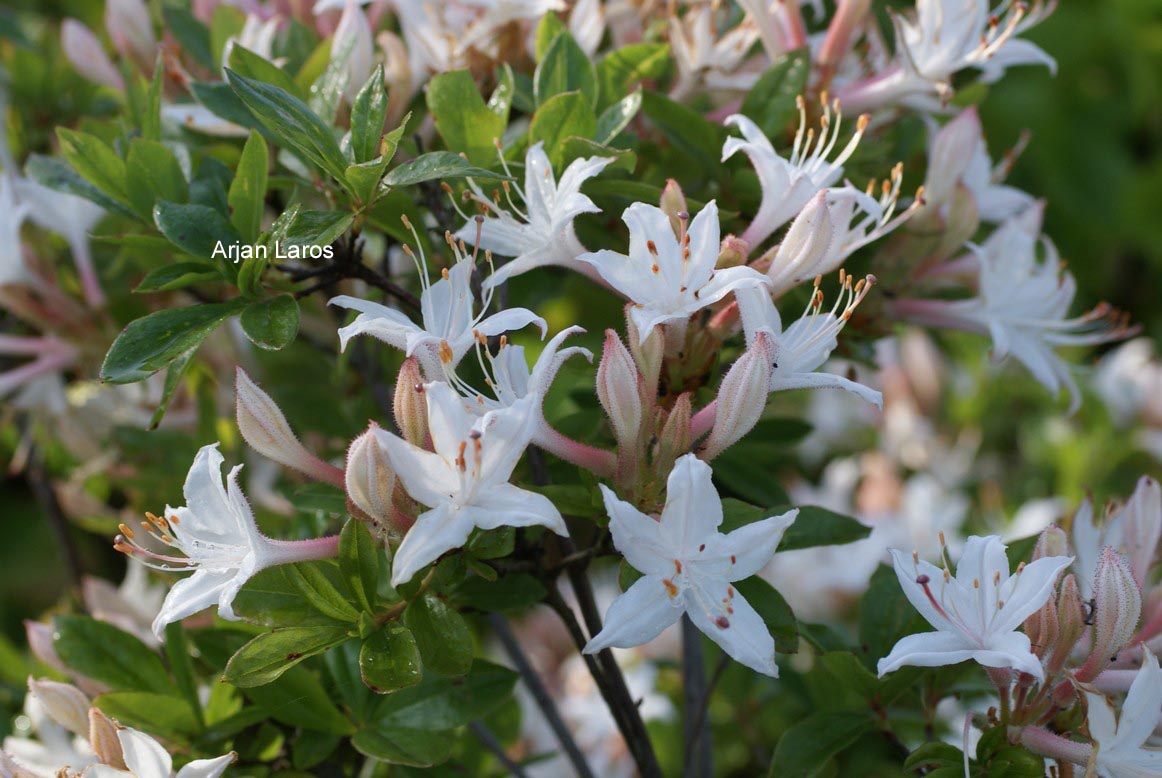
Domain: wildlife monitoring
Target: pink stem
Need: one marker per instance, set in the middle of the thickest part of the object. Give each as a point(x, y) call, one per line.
point(601, 462)
point(90, 283)
point(703, 421)
point(1044, 743)
point(285, 551)
point(323, 471)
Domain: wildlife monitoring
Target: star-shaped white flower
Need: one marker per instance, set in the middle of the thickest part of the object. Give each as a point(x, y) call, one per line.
point(145, 758)
point(542, 234)
point(449, 325)
point(669, 279)
point(688, 567)
point(788, 184)
point(1121, 750)
point(464, 482)
point(976, 612)
point(706, 57)
point(804, 346)
point(218, 539)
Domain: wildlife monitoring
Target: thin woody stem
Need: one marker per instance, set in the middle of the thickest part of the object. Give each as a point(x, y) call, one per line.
point(695, 697)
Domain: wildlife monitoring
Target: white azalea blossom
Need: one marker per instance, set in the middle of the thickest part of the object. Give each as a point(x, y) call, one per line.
point(688, 567)
point(218, 539)
point(47, 746)
point(1121, 743)
point(71, 217)
point(666, 278)
point(464, 481)
point(542, 234)
point(146, 758)
point(1133, 530)
point(805, 345)
point(977, 611)
point(705, 57)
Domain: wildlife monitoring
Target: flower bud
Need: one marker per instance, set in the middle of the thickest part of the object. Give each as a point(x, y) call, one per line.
point(1143, 527)
point(1117, 607)
point(673, 202)
point(397, 73)
point(732, 253)
point(104, 741)
point(85, 53)
point(647, 356)
point(742, 396)
point(1052, 542)
point(352, 41)
point(39, 639)
point(805, 248)
point(370, 477)
point(265, 429)
point(65, 703)
point(618, 390)
point(675, 439)
point(849, 16)
point(952, 148)
point(1070, 623)
point(410, 407)
point(9, 768)
point(131, 28)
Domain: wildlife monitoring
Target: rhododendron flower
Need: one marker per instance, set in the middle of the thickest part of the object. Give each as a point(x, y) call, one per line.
point(145, 758)
point(1121, 743)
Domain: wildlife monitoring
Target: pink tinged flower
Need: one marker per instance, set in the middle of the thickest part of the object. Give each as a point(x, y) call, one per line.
point(533, 225)
point(73, 218)
point(13, 212)
point(1117, 608)
point(1121, 742)
point(976, 612)
point(789, 184)
point(52, 355)
point(132, 606)
point(618, 390)
point(449, 325)
point(369, 478)
point(266, 430)
point(706, 58)
point(218, 539)
point(742, 396)
point(129, 25)
point(587, 24)
point(464, 481)
point(1141, 520)
point(144, 757)
point(688, 567)
point(670, 277)
point(198, 118)
point(65, 703)
point(352, 45)
point(257, 36)
point(85, 53)
point(801, 349)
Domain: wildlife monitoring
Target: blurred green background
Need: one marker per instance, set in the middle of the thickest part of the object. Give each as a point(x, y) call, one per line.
point(1096, 156)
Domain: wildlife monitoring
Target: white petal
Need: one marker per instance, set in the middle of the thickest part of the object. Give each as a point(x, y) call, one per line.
point(425, 476)
point(827, 381)
point(637, 536)
point(143, 755)
point(1010, 650)
point(207, 768)
point(189, 596)
point(506, 505)
point(732, 623)
point(704, 233)
point(1142, 706)
point(907, 571)
point(510, 320)
point(436, 532)
point(753, 545)
point(927, 649)
point(725, 281)
point(693, 511)
point(378, 321)
point(637, 616)
point(1024, 593)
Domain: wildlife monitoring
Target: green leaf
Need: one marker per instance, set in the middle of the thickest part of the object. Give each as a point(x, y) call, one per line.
point(689, 132)
point(57, 175)
point(268, 656)
point(246, 63)
point(160, 714)
point(441, 635)
point(512, 592)
point(616, 117)
point(196, 229)
point(104, 653)
point(561, 117)
point(291, 121)
point(771, 101)
point(437, 165)
point(465, 123)
point(181, 665)
point(317, 228)
point(153, 174)
point(564, 68)
point(622, 69)
point(151, 116)
point(820, 527)
point(935, 754)
point(390, 660)
point(774, 610)
point(270, 599)
point(399, 745)
point(273, 323)
point(177, 276)
point(547, 31)
point(500, 103)
point(885, 615)
point(95, 161)
point(359, 562)
point(298, 699)
point(805, 749)
point(173, 379)
point(191, 34)
point(442, 702)
point(320, 582)
point(150, 343)
point(248, 189)
point(493, 543)
point(368, 113)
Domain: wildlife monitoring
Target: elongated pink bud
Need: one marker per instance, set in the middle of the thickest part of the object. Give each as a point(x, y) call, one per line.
point(849, 16)
point(409, 406)
point(370, 478)
point(104, 741)
point(952, 149)
point(675, 439)
point(1043, 627)
point(129, 25)
point(265, 429)
point(1070, 624)
point(65, 703)
point(673, 202)
point(742, 396)
point(648, 356)
point(618, 390)
point(39, 638)
point(1143, 527)
point(805, 248)
point(1116, 610)
point(85, 53)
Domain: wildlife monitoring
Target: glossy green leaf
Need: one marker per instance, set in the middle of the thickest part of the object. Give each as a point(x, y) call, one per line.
point(160, 714)
point(317, 228)
point(441, 634)
point(403, 746)
point(324, 588)
point(177, 276)
point(268, 656)
point(805, 749)
point(617, 117)
point(152, 174)
point(437, 165)
point(270, 599)
point(771, 101)
point(196, 229)
point(247, 196)
point(548, 29)
point(465, 123)
point(564, 68)
point(688, 130)
point(816, 526)
point(359, 562)
point(246, 63)
point(368, 113)
point(390, 660)
point(512, 592)
point(104, 653)
point(95, 162)
point(150, 343)
point(560, 117)
point(56, 174)
point(774, 610)
point(441, 702)
point(300, 700)
point(273, 323)
point(624, 68)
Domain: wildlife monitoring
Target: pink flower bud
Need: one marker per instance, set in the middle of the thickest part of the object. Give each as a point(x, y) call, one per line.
point(673, 202)
point(849, 16)
point(1143, 527)
point(370, 478)
point(86, 54)
point(618, 390)
point(410, 406)
point(952, 148)
point(131, 28)
point(104, 741)
point(742, 396)
point(65, 703)
point(352, 40)
point(732, 253)
point(805, 248)
point(1052, 542)
point(265, 429)
point(1071, 612)
point(1116, 609)
point(675, 438)
point(648, 357)
point(39, 638)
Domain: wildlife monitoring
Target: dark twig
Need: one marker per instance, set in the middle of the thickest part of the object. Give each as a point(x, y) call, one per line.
point(38, 480)
point(695, 731)
point(489, 741)
point(540, 694)
point(703, 710)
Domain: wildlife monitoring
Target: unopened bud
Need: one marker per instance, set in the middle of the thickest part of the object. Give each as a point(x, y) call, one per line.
point(10, 769)
point(673, 202)
point(1117, 607)
point(265, 429)
point(805, 248)
point(104, 741)
point(410, 407)
point(370, 477)
point(952, 149)
point(85, 53)
point(648, 356)
point(675, 438)
point(732, 253)
point(39, 638)
point(849, 17)
point(131, 28)
point(742, 396)
point(1071, 618)
point(618, 390)
point(1052, 542)
point(65, 703)
point(1143, 527)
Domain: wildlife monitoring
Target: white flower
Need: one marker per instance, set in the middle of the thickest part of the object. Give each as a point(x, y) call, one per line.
point(977, 611)
point(688, 567)
point(1133, 530)
point(1121, 750)
point(788, 184)
point(669, 279)
point(71, 217)
point(49, 746)
point(220, 542)
point(13, 269)
point(464, 481)
point(256, 36)
point(705, 57)
point(542, 234)
point(352, 44)
point(803, 347)
point(449, 326)
point(132, 606)
point(145, 758)
point(199, 118)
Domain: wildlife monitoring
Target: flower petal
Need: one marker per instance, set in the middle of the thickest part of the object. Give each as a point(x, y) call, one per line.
point(637, 616)
point(927, 649)
point(189, 596)
point(637, 536)
point(207, 768)
point(440, 530)
point(693, 511)
point(143, 755)
point(427, 477)
point(752, 546)
point(728, 619)
point(506, 505)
